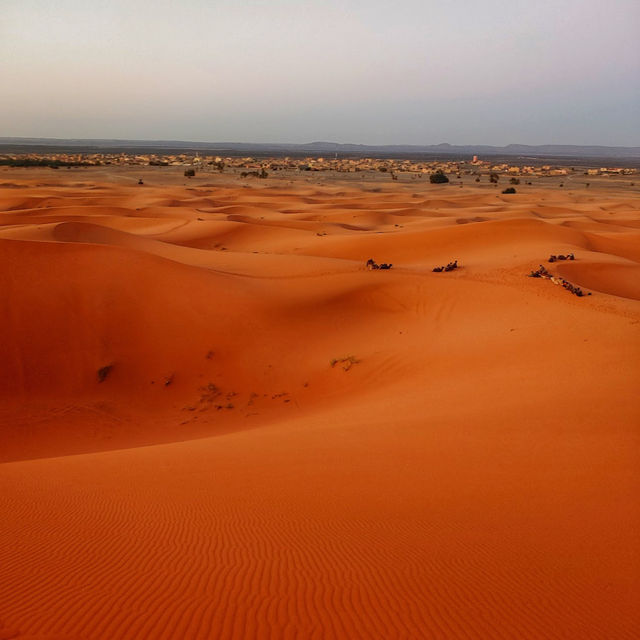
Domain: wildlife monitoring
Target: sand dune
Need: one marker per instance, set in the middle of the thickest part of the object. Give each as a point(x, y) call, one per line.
point(216, 423)
point(618, 279)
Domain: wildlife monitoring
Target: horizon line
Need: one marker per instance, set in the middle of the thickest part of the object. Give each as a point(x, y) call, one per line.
point(308, 143)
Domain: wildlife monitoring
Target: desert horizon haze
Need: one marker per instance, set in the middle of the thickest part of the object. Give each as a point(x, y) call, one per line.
point(383, 389)
point(495, 72)
point(581, 154)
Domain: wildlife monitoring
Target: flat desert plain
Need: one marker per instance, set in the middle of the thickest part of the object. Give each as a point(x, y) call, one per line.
point(217, 423)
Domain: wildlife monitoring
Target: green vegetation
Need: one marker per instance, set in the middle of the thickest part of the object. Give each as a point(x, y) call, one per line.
point(43, 162)
point(509, 190)
point(438, 177)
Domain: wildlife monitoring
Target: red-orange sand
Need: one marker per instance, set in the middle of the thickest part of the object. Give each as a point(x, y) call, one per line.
point(180, 459)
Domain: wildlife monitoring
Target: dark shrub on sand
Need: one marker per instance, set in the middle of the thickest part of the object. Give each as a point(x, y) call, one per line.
point(438, 177)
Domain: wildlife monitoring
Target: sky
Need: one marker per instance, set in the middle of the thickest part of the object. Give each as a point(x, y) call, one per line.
point(361, 71)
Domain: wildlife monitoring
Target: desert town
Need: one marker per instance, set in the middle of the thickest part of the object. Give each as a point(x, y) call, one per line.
point(454, 168)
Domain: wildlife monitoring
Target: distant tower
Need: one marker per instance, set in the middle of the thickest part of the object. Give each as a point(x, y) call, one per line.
point(475, 160)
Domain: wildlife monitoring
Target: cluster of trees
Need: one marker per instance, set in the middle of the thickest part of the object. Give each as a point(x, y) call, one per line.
point(43, 162)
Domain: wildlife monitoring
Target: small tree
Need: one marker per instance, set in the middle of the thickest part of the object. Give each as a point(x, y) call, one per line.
point(189, 173)
point(493, 177)
point(515, 181)
point(438, 177)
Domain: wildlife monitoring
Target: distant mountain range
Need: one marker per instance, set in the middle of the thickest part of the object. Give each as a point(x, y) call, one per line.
point(22, 145)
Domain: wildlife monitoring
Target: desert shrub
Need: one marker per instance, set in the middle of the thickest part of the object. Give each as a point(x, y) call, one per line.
point(493, 177)
point(347, 362)
point(189, 173)
point(438, 177)
point(103, 372)
point(514, 181)
point(509, 190)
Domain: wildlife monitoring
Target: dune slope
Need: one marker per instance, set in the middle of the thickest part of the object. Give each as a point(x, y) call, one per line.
point(216, 423)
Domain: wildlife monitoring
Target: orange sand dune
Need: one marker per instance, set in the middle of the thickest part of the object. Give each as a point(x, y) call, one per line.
point(217, 423)
point(618, 279)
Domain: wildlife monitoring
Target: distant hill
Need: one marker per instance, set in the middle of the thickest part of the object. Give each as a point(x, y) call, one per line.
point(22, 145)
point(511, 149)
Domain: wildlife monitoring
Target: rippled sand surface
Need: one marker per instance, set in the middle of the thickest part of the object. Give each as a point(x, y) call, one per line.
point(215, 422)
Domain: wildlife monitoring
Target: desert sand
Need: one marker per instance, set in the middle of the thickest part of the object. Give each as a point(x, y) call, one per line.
point(217, 423)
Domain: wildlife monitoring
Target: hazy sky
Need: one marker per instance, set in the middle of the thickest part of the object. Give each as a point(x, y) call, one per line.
point(367, 71)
